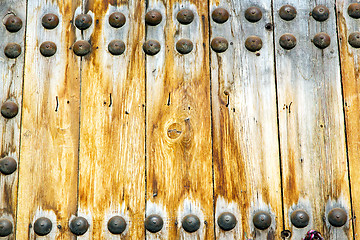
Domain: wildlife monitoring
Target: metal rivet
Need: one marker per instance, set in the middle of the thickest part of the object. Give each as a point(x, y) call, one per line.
point(226, 221)
point(253, 43)
point(320, 13)
point(50, 21)
point(184, 46)
point(117, 225)
point(219, 44)
point(321, 40)
point(42, 226)
point(48, 49)
point(354, 10)
point(337, 217)
point(253, 14)
point(13, 23)
point(262, 220)
point(81, 48)
point(287, 12)
point(190, 223)
point(220, 15)
point(154, 223)
point(117, 19)
point(79, 226)
point(153, 17)
point(354, 39)
point(9, 109)
point(151, 47)
point(287, 41)
point(12, 50)
point(185, 16)
point(6, 227)
point(116, 47)
point(8, 165)
point(299, 218)
point(83, 21)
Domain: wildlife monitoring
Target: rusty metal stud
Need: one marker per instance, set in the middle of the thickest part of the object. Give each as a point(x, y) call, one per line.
point(354, 10)
point(299, 218)
point(262, 220)
point(153, 17)
point(354, 39)
point(48, 49)
point(253, 14)
point(81, 48)
point(151, 47)
point(184, 46)
point(219, 44)
point(116, 47)
point(42, 226)
point(321, 40)
point(83, 21)
point(227, 221)
point(50, 21)
point(117, 19)
point(220, 15)
point(116, 225)
point(79, 226)
point(320, 13)
point(337, 217)
point(8, 165)
point(253, 43)
point(287, 12)
point(9, 109)
point(185, 16)
point(190, 223)
point(6, 227)
point(13, 23)
point(287, 41)
point(154, 223)
point(12, 50)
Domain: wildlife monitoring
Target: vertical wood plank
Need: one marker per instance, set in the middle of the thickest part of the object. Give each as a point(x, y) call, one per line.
point(311, 122)
point(245, 134)
point(179, 162)
point(112, 131)
point(50, 126)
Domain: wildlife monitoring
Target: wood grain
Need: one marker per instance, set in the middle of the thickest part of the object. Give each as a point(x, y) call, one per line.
point(311, 122)
point(178, 116)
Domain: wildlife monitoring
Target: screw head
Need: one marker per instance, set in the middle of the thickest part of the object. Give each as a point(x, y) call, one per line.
point(117, 19)
point(185, 16)
point(9, 109)
point(320, 13)
point(184, 46)
point(220, 15)
point(6, 227)
point(262, 220)
point(287, 12)
point(190, 223)
point(47, 49)
point(42, 226)
point(8, 165)
point(116, 47)
point(116, 225)
point(227, 221)
point(253, 43)
point(81, 47)
point(50, 21)
point(253, 14)
point(13, 23)
point(154, 223)
point(151, 47)
point(79, 226)
point(354, 39)
point(299, 218)
point(354, 10)
point(337, 217)
point(153, 17)
point(321, 40)
point(219, 44)
point(83, 21)
point(287, 41)
point(12, 50)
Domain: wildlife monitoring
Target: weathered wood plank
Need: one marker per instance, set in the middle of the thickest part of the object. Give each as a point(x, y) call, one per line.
point(50, 125)
point(112, 131)
point(311, 122)
point(245, 133)
point(179, 162)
